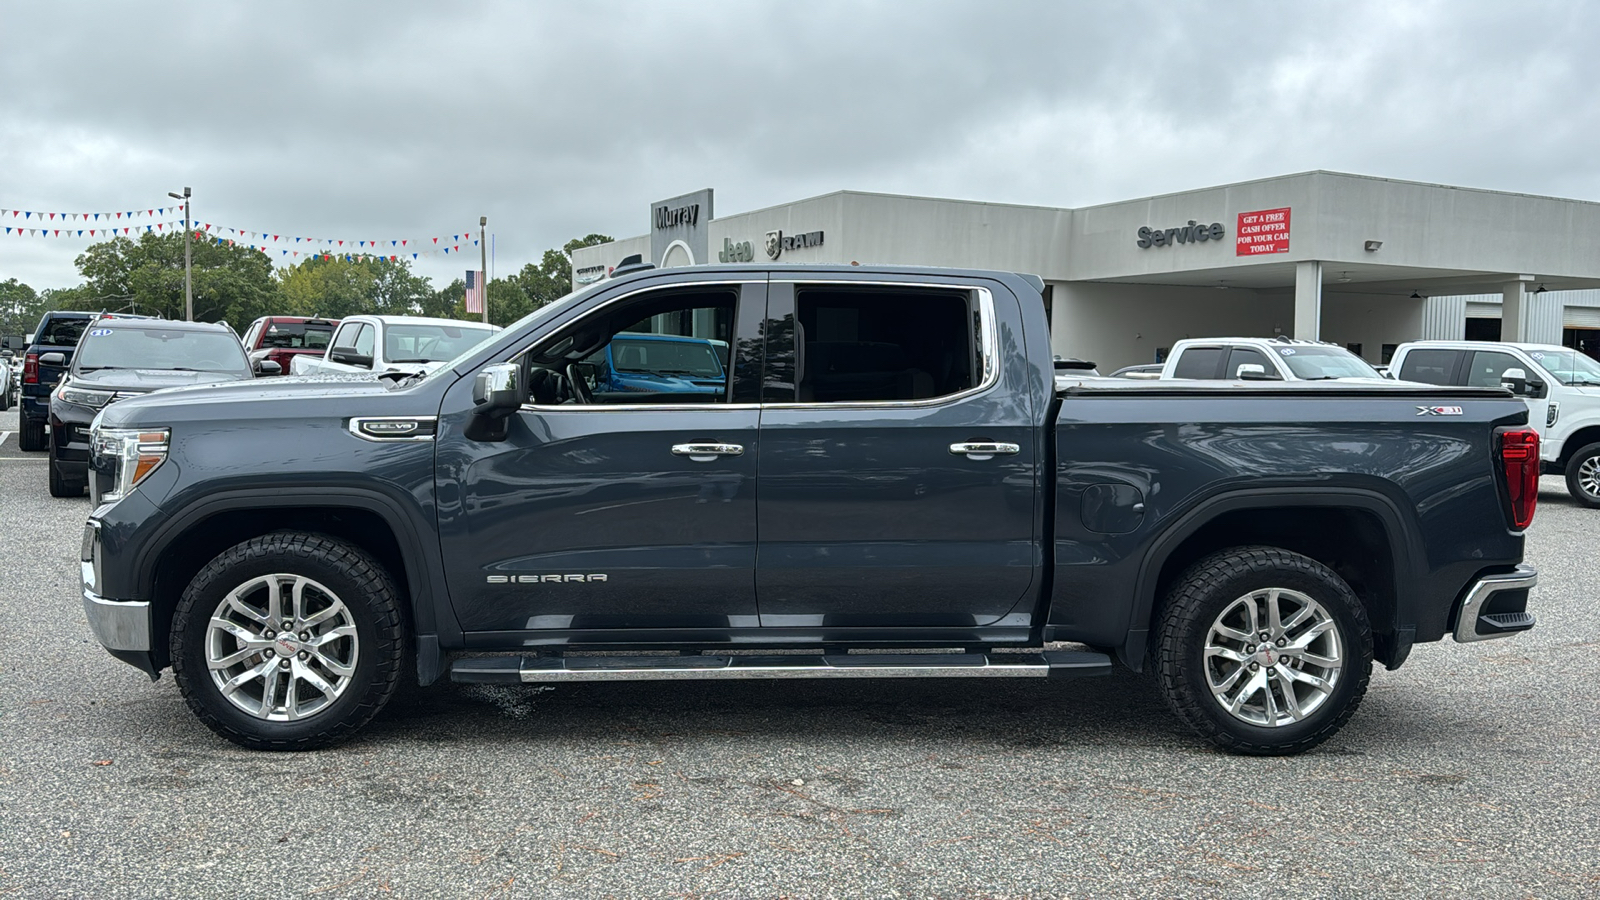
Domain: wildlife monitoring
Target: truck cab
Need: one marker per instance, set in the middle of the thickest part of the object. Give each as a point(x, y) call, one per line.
point(1559, 385)
point(1265, 359)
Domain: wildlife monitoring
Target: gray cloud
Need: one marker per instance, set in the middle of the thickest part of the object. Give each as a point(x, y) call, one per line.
point(409, 119)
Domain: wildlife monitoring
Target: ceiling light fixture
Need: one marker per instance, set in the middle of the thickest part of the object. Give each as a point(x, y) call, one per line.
point(1417, 296)
point(1540, 290)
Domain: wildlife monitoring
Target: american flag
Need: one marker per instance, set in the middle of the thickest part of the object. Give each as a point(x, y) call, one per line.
point(475, 292)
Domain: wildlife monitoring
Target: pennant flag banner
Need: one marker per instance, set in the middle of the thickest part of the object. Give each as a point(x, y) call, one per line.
point(30, 216)
point(286, 247)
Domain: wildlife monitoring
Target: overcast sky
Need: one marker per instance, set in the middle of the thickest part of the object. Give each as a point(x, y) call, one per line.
point(396, 119)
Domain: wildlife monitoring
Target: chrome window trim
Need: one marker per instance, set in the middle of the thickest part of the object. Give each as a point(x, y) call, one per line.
point(354, 427)
point(989, 339)
point(989, 342)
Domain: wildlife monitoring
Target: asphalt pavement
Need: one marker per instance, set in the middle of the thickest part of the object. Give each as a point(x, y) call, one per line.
point(1472, 772)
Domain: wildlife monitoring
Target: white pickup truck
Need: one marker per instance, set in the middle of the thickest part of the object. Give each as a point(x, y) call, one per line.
point(392, 344)
point(1560, 385)
point(1265, 359)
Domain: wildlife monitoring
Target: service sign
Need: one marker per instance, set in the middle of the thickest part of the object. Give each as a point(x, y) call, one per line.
point(1262, 231)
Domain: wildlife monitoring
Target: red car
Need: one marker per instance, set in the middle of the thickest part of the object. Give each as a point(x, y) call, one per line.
point(282, 338)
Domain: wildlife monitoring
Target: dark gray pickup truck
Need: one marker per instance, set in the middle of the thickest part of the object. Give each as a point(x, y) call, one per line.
point(892, 483)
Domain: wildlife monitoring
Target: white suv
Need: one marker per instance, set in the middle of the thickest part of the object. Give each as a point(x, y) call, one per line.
point(1265, 359)
point(1560, 385)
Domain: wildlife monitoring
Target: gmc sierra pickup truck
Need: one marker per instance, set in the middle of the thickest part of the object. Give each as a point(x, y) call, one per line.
point(892, 482)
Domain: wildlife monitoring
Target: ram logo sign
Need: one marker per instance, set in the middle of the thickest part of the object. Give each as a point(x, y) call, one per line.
point(546, 579)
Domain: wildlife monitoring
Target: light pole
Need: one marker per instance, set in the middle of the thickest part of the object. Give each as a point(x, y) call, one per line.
point(188, 236)
point(483, 266)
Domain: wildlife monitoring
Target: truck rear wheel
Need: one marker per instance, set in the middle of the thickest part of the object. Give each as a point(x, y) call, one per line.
point(1263, 651)
point(288, 641)
point(1583, 476)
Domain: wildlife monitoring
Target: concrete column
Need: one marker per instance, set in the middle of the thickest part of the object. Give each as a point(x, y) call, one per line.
point(1308, 300)
point(1514, 309)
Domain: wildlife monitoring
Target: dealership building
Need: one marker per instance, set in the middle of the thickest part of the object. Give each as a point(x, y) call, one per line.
point(1364, 262)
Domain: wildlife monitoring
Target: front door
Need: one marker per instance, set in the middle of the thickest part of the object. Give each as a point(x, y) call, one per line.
point(898, 473)
point(609, 510)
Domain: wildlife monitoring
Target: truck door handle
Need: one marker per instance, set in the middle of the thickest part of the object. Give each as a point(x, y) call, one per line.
point(981, 450)
point(706, 452)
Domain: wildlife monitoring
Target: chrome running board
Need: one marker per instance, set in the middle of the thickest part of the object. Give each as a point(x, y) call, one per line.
point(548, 669)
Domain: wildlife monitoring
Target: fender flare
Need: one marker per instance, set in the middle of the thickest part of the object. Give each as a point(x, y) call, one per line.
point(420, 557)
point(1399, 526)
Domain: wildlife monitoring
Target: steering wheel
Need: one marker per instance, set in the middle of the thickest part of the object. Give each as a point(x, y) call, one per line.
point(580, 388)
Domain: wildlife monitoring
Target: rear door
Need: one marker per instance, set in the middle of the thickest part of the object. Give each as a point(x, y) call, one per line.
point(899, 472)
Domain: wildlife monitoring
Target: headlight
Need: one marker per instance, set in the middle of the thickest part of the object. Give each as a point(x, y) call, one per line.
point(84, 397)
point(127, 456)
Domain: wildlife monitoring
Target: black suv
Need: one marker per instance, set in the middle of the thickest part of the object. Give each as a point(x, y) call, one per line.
point(119, 358)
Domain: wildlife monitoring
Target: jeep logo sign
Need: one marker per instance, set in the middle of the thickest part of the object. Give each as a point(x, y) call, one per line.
point(1188, 234)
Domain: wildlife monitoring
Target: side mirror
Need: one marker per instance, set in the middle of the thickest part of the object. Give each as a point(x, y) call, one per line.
point(1515, 380)
point(268, 367)
point(349, 358)
point(1252, 372)
point(589, 372)
point(53, 359)
point(499, 391)
point(6, 354)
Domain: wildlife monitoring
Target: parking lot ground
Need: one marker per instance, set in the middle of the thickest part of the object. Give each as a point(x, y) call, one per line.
point(1472, 772)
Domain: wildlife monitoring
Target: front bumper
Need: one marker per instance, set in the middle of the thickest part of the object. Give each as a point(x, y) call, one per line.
point(1496, 606)
point(123, 627)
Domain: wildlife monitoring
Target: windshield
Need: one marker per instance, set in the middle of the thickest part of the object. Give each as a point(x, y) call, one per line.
point(297, 336)
point(1318, 363)
point(431, 343)
point(1568, 366)
point(666, 357)
point(155, 347)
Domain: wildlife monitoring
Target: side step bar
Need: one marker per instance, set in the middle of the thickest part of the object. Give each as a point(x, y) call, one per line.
point(545, 669)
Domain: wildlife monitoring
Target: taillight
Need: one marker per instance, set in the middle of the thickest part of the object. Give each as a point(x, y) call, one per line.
point(1519, 453)
point(30, 368)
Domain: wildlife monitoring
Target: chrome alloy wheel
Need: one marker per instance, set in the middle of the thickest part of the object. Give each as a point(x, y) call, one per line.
point(1273, 657)
point(1589, 476)
point(281, 647)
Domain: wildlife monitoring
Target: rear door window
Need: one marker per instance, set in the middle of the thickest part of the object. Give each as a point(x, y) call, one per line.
point(1200, 362)
point(860, 344)
point(1429, 366)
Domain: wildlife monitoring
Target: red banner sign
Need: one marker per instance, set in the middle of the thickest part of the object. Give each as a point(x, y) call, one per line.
point(1262, 231)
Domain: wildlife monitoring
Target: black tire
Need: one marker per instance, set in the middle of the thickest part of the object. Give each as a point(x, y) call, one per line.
point(30, 435)
point(1589, 457)
point(354, 579)
point(60, 485)
point(1219, 584)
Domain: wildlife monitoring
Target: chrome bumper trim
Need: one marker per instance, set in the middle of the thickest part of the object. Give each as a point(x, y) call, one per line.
point(1524, 578)
point(118, 624)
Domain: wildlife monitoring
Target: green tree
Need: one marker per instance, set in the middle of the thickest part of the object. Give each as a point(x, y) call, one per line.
point(336, 287)
point(231, 282)
point(20, 307)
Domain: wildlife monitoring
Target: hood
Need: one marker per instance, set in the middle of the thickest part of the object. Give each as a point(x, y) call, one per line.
point(272, 396)
point(686, 384)
point(134, 381)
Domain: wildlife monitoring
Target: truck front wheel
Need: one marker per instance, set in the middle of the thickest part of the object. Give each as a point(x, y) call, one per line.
point(288, 641)
point(1583, 476)
point(1263, 651)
